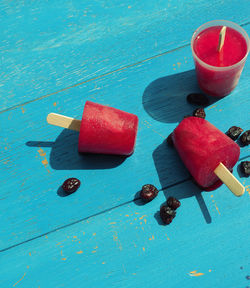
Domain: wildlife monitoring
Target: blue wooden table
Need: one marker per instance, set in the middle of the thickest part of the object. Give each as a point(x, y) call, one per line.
point(134, 56)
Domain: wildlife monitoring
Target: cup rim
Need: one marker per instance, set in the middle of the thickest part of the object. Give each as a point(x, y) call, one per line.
point(220, 23)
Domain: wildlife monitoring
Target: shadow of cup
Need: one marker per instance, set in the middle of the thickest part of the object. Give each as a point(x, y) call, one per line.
point(164, 99)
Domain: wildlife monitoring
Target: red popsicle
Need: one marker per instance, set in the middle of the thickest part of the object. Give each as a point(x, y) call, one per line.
point(103, 129)
point(107, 130)
point(202, 147)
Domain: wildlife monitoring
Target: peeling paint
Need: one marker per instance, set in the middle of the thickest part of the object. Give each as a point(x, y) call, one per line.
point(216, 207)
point(212, 107)
point(167, 236)
point(194, 273)
point(247, 189)
point(42, 153)
point(19, 280)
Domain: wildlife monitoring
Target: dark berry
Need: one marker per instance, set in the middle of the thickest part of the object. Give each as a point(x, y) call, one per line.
point(167, 214)
point(148, 192)
point(199, 112)
point(71, 185)
point(245, 167)
point(245, 138)
point(167, 220)
point(170, 140)
point(197, 99)
point(234, 132)
point(173, 203)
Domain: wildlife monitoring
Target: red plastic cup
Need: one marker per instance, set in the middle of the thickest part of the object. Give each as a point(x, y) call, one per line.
point(217, 72)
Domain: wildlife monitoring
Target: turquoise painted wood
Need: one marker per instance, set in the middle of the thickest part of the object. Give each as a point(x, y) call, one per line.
point(137, 58)
point(160, 103)
point(47, 47)
point(127, 247)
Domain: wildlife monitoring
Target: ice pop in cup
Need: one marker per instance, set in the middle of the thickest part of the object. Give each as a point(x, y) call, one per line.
point(218, 70)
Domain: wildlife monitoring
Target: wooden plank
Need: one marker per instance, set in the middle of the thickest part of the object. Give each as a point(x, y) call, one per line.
point(47, 46)
point(36, 158)
point(128, 246)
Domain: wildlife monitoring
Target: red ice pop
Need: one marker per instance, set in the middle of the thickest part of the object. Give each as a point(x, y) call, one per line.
point(103, 129)
point(107, 130)
point(207, 153)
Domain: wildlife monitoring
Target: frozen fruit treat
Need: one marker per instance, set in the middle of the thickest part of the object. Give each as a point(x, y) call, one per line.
point(107, 130)
point(103, 129)
point(202, 147)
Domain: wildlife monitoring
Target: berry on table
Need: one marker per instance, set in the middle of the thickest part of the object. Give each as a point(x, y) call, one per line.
point(167, 214)
point(170, 140)
point(245, 138)
point(148, 192)
point(197, 99)
point(245, 167)
point(234, 132)
point(199, 112)
point(71, 185)
point(173, 203)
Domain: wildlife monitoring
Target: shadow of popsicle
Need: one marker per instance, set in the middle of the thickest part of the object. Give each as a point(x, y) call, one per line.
point(164, 154)
point(64, 154)
point(164, 99)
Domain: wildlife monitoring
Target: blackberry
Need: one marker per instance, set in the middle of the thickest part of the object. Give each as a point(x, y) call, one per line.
point(197, 99)
point(167, 214)
point(71, 185)
point(199, 112)
point(245, 167)
point(148, 192)
point(234, 132)
point(170, 140)
point(173, 203)
point(245, 138)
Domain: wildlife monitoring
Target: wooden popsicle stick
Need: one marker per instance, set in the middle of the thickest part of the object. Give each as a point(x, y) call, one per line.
point(64, 121)
point(228, 178)
point(222, 38)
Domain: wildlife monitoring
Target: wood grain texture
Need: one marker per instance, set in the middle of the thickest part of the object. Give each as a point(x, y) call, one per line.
point(47, 47)
point(38, 157)
point(135, 57)
point(128, 246)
